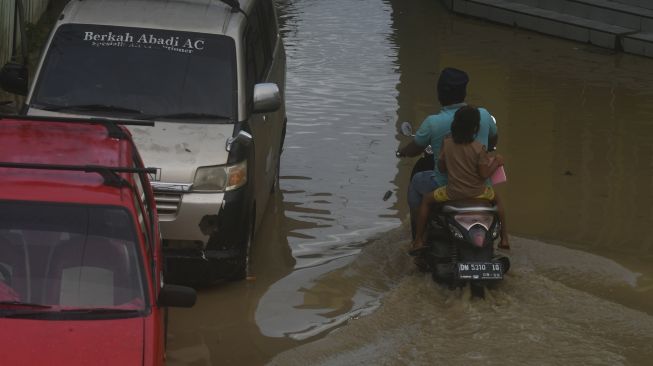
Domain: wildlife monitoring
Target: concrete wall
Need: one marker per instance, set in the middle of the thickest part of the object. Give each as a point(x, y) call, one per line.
point(641, 3)
point(33, 11)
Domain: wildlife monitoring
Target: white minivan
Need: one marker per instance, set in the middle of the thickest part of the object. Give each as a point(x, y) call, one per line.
point(211, 75)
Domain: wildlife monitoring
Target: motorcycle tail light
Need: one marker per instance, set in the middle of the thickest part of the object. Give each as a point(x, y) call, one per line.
point(467, 220)
point(478, 234)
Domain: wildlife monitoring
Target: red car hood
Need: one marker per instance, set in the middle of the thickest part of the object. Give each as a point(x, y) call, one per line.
point(72, 342)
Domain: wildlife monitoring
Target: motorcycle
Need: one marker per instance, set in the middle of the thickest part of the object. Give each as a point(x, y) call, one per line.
point(460, 238)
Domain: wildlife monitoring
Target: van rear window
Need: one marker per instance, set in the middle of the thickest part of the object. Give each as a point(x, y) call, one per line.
point(137, 72)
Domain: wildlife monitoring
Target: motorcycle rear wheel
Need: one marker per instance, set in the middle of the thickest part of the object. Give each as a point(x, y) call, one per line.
point(477, 289)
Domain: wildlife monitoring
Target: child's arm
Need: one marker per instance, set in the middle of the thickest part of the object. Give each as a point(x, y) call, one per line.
point(487, 164)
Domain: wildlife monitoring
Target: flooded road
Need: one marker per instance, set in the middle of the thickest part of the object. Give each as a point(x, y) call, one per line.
point(330, 282)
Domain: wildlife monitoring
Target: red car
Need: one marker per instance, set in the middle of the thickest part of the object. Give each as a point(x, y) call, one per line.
point(81, 276)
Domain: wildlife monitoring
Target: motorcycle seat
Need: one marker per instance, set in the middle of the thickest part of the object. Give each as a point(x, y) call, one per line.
point(468, 205)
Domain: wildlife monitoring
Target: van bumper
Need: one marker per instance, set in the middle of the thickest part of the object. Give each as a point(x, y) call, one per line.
point(206, 236)
point(197, 267)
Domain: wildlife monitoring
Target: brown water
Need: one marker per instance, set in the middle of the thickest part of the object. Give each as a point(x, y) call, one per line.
point(331, 283)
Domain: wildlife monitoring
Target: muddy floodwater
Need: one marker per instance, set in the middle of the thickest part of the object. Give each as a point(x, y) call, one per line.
point(330, 281)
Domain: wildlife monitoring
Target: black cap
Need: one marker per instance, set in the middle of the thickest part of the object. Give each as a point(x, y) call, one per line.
point(452, 86)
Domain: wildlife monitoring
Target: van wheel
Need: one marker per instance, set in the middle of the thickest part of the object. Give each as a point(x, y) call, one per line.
point(241, 265)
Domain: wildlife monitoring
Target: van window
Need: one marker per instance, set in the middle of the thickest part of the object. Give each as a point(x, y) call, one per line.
point(139, 72)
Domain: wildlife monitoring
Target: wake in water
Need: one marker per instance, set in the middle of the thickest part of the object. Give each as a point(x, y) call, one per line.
point(553, 307)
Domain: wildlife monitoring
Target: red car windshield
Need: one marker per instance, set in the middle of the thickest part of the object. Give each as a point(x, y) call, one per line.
point(65, 257)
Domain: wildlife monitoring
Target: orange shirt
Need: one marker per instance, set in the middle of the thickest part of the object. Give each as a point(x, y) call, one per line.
point(463, 161)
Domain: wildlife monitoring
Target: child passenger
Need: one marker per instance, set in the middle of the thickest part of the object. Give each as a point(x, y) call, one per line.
point(468, 166)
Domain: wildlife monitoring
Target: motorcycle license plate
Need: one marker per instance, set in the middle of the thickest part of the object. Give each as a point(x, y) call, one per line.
point(480, 271)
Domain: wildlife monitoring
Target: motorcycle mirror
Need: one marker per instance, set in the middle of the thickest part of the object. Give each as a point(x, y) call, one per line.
point(406, 129)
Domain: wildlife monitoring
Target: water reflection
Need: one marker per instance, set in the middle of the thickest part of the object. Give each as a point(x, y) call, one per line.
point(341, 93)
point(313, 300)
point(341, 115)
point(420, 323)
point(220, 329)
point(575, 126)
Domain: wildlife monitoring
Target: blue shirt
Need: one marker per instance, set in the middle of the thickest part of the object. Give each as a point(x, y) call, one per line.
point(435, 127)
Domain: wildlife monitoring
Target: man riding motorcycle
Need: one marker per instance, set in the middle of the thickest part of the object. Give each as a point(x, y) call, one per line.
point(452, 90)
point(468, 165)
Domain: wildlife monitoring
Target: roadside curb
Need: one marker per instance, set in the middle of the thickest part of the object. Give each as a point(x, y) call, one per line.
point(621, 25)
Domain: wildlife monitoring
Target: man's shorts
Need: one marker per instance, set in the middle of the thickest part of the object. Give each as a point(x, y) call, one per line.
point(440, 194)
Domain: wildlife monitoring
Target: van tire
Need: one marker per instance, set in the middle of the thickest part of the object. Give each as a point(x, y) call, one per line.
point(241, 265)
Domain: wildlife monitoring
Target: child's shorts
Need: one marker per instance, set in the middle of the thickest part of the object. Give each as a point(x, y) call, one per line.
point(440, 194)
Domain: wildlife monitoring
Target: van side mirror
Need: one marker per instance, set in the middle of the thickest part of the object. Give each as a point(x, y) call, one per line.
point(13, 78)
point(267, 97)
point(177, 296)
